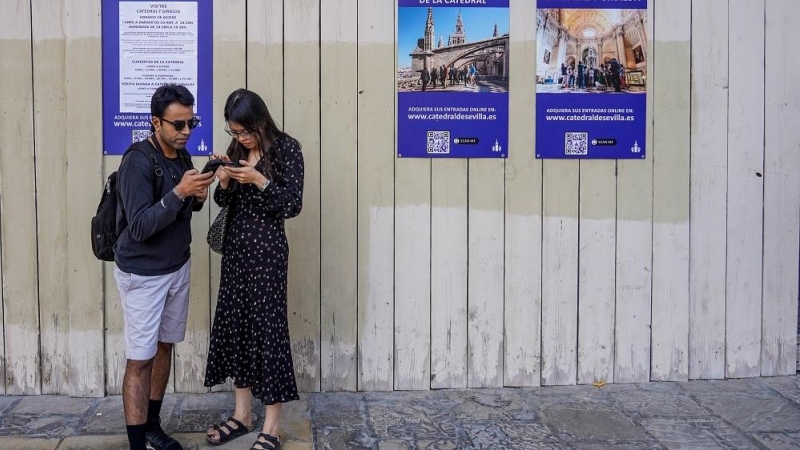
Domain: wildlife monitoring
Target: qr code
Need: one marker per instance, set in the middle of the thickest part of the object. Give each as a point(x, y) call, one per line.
point(576, 143)
point(140, 135)
point(439, 142)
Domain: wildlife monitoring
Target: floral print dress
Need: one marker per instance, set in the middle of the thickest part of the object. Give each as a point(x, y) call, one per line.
point(250, 335)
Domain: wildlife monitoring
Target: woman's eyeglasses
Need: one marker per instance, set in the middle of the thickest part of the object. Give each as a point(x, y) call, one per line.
point(180, 124)
point(239, 134)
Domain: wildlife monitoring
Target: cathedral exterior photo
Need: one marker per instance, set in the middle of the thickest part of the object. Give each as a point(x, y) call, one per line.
point(455, 61)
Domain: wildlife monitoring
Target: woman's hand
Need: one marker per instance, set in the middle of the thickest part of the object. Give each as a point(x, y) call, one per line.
point(245, 174)
point(220, 173)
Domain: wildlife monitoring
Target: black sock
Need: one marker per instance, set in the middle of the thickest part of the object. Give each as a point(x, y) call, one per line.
point(154, 412)
point(136, 436)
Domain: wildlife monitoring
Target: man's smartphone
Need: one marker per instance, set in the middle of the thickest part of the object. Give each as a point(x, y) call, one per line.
point(213, 164)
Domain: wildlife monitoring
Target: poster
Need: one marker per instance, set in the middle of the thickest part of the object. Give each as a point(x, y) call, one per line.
point(452, 78)
point(591, 78)
point(147, 44)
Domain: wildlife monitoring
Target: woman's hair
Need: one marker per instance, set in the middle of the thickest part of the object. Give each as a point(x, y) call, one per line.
point(247, 109)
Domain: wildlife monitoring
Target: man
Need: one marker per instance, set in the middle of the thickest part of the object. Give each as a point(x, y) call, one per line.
point(425, 77)
point(158, 190)
point(615, 75)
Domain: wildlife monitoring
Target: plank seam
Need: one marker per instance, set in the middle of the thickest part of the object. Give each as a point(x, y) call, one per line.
point(763, 200)
point(689, 354)
point(321, 168)
point(541, 268)
point(466, 323)
point(36, 205)
point(358, 212)
point(578, 281)
point(650, 89)
point(727, 200)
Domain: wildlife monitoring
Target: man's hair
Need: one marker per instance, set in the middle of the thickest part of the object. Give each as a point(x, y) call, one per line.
point(166, 95)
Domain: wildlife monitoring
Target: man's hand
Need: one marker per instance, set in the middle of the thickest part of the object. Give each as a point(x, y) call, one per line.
point(195, 184)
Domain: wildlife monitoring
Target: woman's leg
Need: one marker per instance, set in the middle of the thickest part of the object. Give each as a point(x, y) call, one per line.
point(272, 416)
point(242, 411)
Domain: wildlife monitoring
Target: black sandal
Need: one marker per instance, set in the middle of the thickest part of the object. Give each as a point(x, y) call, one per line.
point(268, 439)
point(229, 433)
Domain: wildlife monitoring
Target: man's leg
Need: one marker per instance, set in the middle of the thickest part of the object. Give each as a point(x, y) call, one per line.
point(158, 383)
point(135, 390)
point(160, 374)
point(172, 329)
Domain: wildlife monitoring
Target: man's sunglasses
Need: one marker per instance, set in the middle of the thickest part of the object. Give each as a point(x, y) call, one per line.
point(179, 124)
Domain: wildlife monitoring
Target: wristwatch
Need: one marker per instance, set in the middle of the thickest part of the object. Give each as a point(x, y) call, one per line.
point(261, 187)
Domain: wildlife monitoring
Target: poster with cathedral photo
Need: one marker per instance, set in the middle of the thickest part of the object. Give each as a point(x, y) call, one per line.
point(452, 78)
point(591, 78)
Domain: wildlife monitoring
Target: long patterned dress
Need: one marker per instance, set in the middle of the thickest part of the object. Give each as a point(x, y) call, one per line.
point(250, 335)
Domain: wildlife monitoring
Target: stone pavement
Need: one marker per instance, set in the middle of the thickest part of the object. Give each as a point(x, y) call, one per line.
point(761, 413)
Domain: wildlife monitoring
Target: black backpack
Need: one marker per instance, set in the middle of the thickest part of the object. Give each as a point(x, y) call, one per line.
point(104, 222)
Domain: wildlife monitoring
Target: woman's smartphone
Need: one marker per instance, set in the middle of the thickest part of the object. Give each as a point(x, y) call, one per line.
point(213, 164)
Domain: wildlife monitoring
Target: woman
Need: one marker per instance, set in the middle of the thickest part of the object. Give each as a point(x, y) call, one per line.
point(250, 335)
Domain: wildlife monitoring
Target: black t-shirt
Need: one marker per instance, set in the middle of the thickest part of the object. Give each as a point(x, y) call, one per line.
point(152, 223)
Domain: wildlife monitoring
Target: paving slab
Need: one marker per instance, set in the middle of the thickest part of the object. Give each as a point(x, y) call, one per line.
point(21, 443)
point(753, 411)
point(788, 387)
point(643, 403)
point(778, 441)
point(45, 426)
point(52, 404)
point(8, 402)
point(510, 435)
point(696, 433)
point(723, 386)
point(584, 421)
point(109, 442)
point(341, 439)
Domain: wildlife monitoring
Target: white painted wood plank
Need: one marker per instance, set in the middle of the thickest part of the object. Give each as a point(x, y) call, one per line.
point(523, 211)
point(232, 59)
point(560, 272)
point(302, 121)
point(191, 355)
point(376, 100)
point(18, 253)
point(264, 54)
point(708, 197)
point(412, 306)
point(64, 45)
point(2, 321)
point(114, 336)
point(671, 89)
point(485, 281)
point(745, 190)
point(635, 253)
point(596, 270)
point(339, 153)
point(781, 191)
point(448, 273)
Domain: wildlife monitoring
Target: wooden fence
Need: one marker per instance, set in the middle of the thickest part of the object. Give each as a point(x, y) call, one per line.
point(423, 274)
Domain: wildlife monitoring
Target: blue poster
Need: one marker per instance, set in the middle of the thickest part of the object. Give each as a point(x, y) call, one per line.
point(452, 78)
point(147, 44)
point(591, 78)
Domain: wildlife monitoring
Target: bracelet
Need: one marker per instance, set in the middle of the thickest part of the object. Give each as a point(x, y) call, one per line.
point(263, 186)
point(177, 194)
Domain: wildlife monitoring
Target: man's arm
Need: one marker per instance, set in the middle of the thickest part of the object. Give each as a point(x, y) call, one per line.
point(145, 214)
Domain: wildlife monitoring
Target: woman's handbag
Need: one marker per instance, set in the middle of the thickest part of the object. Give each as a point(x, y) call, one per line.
point(217, 231)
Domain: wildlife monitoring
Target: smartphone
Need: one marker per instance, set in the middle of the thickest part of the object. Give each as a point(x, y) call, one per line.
point(213, 164)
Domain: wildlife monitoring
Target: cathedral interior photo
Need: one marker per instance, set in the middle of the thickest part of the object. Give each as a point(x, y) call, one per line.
point(591, 50)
